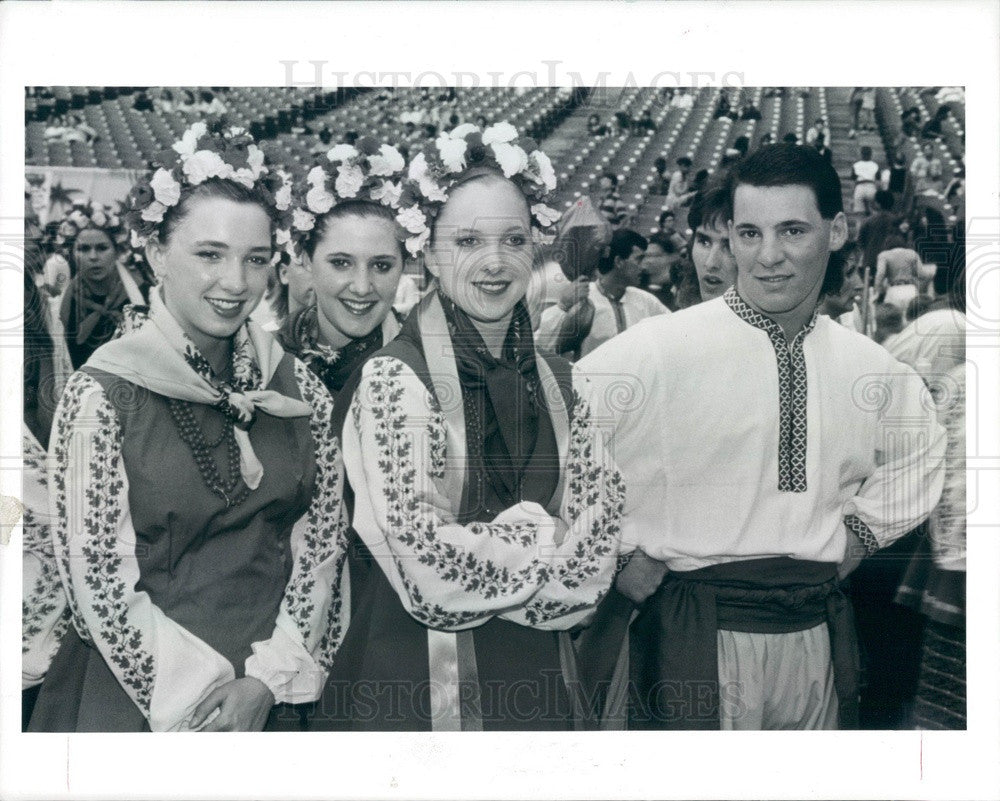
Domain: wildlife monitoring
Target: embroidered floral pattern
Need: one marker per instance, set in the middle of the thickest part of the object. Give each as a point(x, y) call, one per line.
point(45, 596)
point(416, 532)
point(793, 392)
point(593, 490)
point(122, 642)
point(326, 529)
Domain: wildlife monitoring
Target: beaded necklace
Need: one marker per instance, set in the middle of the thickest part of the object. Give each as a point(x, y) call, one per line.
point(233, 492)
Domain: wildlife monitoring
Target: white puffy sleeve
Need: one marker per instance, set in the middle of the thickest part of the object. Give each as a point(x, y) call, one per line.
point(165, 669)
point(527, 566)
point(315, 606)
point(44, 610)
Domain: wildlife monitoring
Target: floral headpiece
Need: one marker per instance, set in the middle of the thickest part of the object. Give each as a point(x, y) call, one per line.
point(88, 214)
point(499, 147)
point(367, 171)
point(202, 154)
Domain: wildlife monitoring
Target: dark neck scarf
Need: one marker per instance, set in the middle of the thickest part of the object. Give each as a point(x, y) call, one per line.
point(91, 316)
point(509, 385)
point(300, 336)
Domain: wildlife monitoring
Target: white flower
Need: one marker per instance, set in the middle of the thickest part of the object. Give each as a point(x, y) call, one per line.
point(452, 153)
point(245, 176)
point(545, 215)
point(136, 240)
point(316, 176)
point(412, 219)
point(415, 244)
point(303, 220)
point(206, 164)
point(545, 170)
point(388, 161)
point(283, 197)
point(388, 193)
point(190, 139)
point(349, 180)
point(98, 218)
point(255, 160)
point(502, 132)
point(165, 187)
point(511, 158)
point(319, 201)
point(113, 221)
point(78, 218)
point(154, 212)
point(342, 152)
point(463, 130)
point(282, 236)
point(428, 186)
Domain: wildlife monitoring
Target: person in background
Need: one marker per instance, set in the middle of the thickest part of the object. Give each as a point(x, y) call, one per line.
point(877, 228)
point(816, 130)
point(896, 273)
point(666, 223)
point(609, 201)
point(657, 266)
point(865, 172)
point(679, 192)
point(822, 148)
point(710, 250)
point(888, 324)
point(617, 302)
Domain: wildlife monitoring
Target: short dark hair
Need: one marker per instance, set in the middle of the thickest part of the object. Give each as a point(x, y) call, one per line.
point(711, 205)
point(663, 216)
point(790, 138)
point(684, 161)
point(663, 241)
point(788, 164)
point(866, 152)
point(622, 242)
point(885, 199)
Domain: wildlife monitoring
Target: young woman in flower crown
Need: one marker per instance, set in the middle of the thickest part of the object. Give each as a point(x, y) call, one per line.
point(196, 480)
point(91, 308)
point(344, 230)
point(482, 501)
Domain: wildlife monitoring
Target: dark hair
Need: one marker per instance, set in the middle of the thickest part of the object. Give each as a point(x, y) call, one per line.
point(893, 242)
point(622, 242)
point(663, 241)
point(711, 205)
point(684, 161)
point(214, 187)
point(364, 209)
point(888, 320)
point(611, 177)
point(660, 165)
point(742, 144)
point(866, 153)
point(885, 199)
point(791, 165)
point(664, 214)
point(790, 138)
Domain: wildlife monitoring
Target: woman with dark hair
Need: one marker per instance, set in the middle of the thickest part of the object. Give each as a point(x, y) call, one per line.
point(92, 303)
point(485, 515)
point(195, 489)
point(348, 241)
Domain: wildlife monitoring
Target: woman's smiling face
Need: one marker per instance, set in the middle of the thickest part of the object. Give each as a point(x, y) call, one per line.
point(482, 248)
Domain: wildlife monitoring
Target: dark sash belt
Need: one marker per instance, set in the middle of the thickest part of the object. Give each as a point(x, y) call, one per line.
point(674, 667)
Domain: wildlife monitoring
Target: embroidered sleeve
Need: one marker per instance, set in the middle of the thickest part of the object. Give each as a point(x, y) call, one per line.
point(584, 564)
point(314, 611)
point(948, 521)
point(906, 484)
point(448, 575)
point(164, 668)
point(44, 611)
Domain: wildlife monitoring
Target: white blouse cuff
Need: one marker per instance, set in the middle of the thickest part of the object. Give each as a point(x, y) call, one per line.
point(286, 668)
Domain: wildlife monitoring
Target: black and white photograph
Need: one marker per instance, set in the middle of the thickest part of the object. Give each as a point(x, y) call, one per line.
point(591, 414)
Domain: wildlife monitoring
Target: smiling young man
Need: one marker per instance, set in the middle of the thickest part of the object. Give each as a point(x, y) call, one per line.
point(766, 449)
